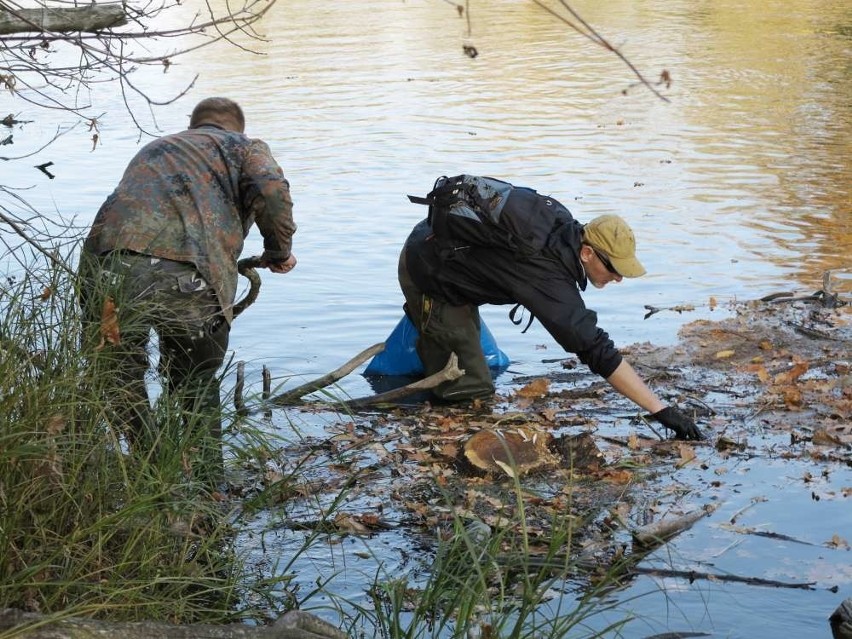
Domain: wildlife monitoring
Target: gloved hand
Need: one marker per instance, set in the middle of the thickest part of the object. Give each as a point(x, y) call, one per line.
point(683, 426)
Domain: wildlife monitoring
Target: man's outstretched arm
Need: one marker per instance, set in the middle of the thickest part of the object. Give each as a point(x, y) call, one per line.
point(626, 381)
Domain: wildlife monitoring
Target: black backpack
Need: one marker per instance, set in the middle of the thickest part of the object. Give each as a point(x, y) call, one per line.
point(484, 211)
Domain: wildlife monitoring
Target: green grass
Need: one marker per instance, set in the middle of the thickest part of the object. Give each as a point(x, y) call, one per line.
point(486, 581)
point(85, 526)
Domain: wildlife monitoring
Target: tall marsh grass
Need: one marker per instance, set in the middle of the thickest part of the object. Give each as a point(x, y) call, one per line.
point(86, 527)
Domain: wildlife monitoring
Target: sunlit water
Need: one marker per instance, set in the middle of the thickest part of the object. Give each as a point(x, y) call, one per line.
point(737, 185)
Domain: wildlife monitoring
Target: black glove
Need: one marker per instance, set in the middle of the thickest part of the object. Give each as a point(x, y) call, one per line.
point(683, 426)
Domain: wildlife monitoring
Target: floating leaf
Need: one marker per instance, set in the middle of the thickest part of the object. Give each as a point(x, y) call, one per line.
point(535, 389)
point(823, 438)
point(838, 542)
point(790, 376)
point(687, 454)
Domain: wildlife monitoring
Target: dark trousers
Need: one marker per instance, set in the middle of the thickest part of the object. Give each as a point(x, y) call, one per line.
point(445, 329)
point(125, 296)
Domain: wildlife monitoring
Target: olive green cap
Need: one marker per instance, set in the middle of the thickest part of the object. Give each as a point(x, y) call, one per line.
point(611, 235)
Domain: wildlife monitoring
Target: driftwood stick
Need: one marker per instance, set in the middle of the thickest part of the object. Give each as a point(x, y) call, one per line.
point(267, 383)
point(692, 575)
point(661, 531)
point(450, 372)
point(91, 18)
point(736, 515)
point(247, 267)
point(629, 568)
point(239, 404)
point(764, 533)
point(294, 395)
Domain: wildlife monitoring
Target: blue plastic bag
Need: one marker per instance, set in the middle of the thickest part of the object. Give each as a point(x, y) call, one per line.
point(400, 355)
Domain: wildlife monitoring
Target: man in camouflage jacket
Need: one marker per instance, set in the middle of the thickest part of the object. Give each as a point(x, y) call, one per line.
point(162, 253)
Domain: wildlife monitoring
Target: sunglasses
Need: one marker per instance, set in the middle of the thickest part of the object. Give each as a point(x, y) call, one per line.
point(605, 261)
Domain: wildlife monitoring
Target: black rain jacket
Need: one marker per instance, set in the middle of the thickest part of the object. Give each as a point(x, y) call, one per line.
point(548, 285)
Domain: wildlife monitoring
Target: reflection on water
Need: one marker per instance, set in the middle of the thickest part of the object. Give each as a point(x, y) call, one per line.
point(738, 186)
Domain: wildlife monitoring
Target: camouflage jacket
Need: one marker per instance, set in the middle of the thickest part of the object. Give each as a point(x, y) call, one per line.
point(192, 197)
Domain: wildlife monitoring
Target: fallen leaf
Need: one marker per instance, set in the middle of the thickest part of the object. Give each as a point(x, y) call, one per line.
point(792, 397)
point(535, 389)
point(449, 450)
point(56, 424)
point(687, 454)
point(617, 476)
point(838, 542)
point(823, 438)
point(109, 325)
point(348, 523)
point(790, 376)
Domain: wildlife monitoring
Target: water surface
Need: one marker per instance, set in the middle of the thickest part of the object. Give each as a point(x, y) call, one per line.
point(737, 185)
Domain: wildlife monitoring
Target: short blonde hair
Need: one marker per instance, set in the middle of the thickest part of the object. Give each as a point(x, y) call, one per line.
point(214, 110)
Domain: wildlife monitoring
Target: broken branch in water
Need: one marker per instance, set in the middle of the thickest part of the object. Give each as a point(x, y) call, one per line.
point(692, 575)
point(450, 372)
point(661, 531)
point(764, 533)
point(294, 395)
point(680, 308)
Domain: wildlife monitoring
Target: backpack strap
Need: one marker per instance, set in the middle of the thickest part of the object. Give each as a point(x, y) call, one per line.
point(520, 317)
point(444, 193)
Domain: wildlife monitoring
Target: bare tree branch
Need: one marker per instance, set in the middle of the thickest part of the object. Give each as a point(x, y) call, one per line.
point(590, 33)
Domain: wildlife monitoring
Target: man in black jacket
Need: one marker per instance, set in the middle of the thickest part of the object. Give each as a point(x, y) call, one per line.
point(444, 281)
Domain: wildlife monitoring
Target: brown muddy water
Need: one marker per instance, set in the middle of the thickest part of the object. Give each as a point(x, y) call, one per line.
point(738, 185)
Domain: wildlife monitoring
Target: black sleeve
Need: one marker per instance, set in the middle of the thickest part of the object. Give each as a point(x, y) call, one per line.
point(556, 302)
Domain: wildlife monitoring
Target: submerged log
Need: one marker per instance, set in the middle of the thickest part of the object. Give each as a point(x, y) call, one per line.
point(660, 531)
point(295, 624)
point(90, 19)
